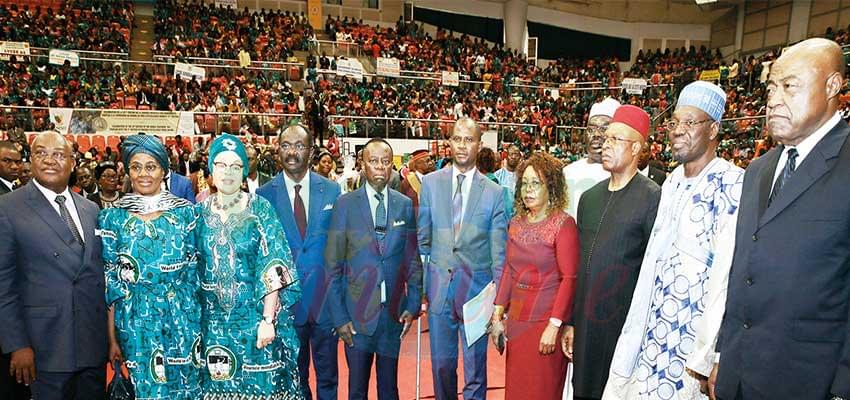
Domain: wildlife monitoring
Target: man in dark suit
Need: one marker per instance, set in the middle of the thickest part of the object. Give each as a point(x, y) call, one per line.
point(462, 236)
point(303, 201)
point(52, 308)
point(647, 169)
point(376, 274)
point(180, 186)
point(10, 166)
point(10, 169)
point(785, 330)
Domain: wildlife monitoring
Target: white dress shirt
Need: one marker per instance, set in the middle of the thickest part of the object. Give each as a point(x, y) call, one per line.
point(373, 202)
point(8, 184)
point(305, 192)
point(254, 184)
point(805, 147)
point(69, 204)
point(465, 189)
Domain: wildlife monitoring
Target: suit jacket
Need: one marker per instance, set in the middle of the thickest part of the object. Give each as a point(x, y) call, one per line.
point(785, 331)
point(51, 288)
point(477, 257)
point(4, 189)
point(308, 252)
point(657, 175)
point(358, 266)
point(181, 186)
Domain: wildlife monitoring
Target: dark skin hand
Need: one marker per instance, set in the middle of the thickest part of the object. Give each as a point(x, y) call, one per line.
point(22, 365)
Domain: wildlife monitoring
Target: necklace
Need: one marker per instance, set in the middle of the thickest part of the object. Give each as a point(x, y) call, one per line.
point(109, 200)
point(227, 206)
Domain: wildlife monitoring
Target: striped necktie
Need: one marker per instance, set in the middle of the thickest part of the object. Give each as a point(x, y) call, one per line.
point(457, 206)
point(69, 222)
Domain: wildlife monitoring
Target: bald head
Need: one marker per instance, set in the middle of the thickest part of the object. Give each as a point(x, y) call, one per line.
point(467, 124)
point(52, 137)
point(803, 89)
point(823, 52)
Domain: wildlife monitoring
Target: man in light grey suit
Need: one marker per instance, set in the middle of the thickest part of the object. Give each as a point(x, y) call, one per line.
point(52, 304)
point(462, 230)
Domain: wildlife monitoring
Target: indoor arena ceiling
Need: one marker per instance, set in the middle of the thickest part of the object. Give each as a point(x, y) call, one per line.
point(666, 11)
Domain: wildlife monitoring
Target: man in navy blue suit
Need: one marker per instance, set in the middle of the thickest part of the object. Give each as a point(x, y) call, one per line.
point(303, 201)
point(52, 308)
point(376, 274)
point(180, 186)
point(785, 330)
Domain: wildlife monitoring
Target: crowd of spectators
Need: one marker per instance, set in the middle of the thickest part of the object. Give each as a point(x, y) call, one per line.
point(195, 29)
point(91, 25)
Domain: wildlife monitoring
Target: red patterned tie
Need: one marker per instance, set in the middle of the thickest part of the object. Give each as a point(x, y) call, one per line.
point(300, 212)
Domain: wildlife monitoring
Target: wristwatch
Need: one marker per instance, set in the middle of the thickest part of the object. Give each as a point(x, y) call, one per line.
point(269, 320)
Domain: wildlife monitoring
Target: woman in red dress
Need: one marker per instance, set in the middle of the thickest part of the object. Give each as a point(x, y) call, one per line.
point(538, 282)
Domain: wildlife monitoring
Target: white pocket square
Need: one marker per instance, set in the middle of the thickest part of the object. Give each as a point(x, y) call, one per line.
point(328, 207)
point(398, 223)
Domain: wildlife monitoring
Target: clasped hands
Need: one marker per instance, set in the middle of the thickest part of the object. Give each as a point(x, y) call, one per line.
point(346, 332)
point(548, 338)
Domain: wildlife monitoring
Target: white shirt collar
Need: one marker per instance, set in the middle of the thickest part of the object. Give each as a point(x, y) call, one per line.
point(51, 195)
point(371, 192)
point(8, 184)
point(808, 144)
point(468, 174)
point(290, 183)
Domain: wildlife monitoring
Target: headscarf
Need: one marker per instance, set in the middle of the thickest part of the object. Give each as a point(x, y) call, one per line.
point(145, 144)
point(228, 142)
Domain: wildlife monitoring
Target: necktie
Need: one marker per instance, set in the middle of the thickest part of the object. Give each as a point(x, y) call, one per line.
point(66, 216)
point(380, 220)
point(457, 206)
point(790, 167)
point(300, 212)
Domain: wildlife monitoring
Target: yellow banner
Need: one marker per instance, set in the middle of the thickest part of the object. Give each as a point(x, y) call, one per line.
point(314, 13)
point(710, 75)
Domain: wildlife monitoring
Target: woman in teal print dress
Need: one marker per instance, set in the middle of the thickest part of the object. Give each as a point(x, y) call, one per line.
point(152, 279)
point(248, 288)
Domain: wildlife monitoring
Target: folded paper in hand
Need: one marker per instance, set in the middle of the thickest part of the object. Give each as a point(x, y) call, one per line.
point(477, 312)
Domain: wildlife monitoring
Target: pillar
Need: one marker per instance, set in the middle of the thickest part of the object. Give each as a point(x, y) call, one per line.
point(516, 17)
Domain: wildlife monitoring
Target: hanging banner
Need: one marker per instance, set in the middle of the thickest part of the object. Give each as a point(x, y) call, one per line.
point(450, 78)
point(189, 71)
point(710, 75)
point(58, 57)
point(124, 122)
point(350, 67)
point(226, 3)
point(555, 94)
point(634, 85)
point(61, 119)
point(389, 67)
point(244, 59)
point(13, 48)
point(314, 13)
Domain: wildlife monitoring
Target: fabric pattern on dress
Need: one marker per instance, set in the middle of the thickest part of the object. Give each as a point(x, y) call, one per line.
point(152, 283)
point(245, 259)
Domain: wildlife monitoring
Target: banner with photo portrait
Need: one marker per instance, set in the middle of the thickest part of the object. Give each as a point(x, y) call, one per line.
point(121, 122)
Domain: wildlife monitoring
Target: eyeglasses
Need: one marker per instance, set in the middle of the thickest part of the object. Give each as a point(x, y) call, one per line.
point(232, 167)
point(376, 162)
point(151, 168)
point(614, 139)
point(56, 155)
point(463, 139)
point(673, 125)
point(288, 146)
point(531, 185)
point(594, 130)
point(7, 160)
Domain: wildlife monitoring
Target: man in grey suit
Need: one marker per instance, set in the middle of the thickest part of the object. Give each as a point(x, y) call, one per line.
point(785, 326)
point(462, 230)
point(52, 308)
